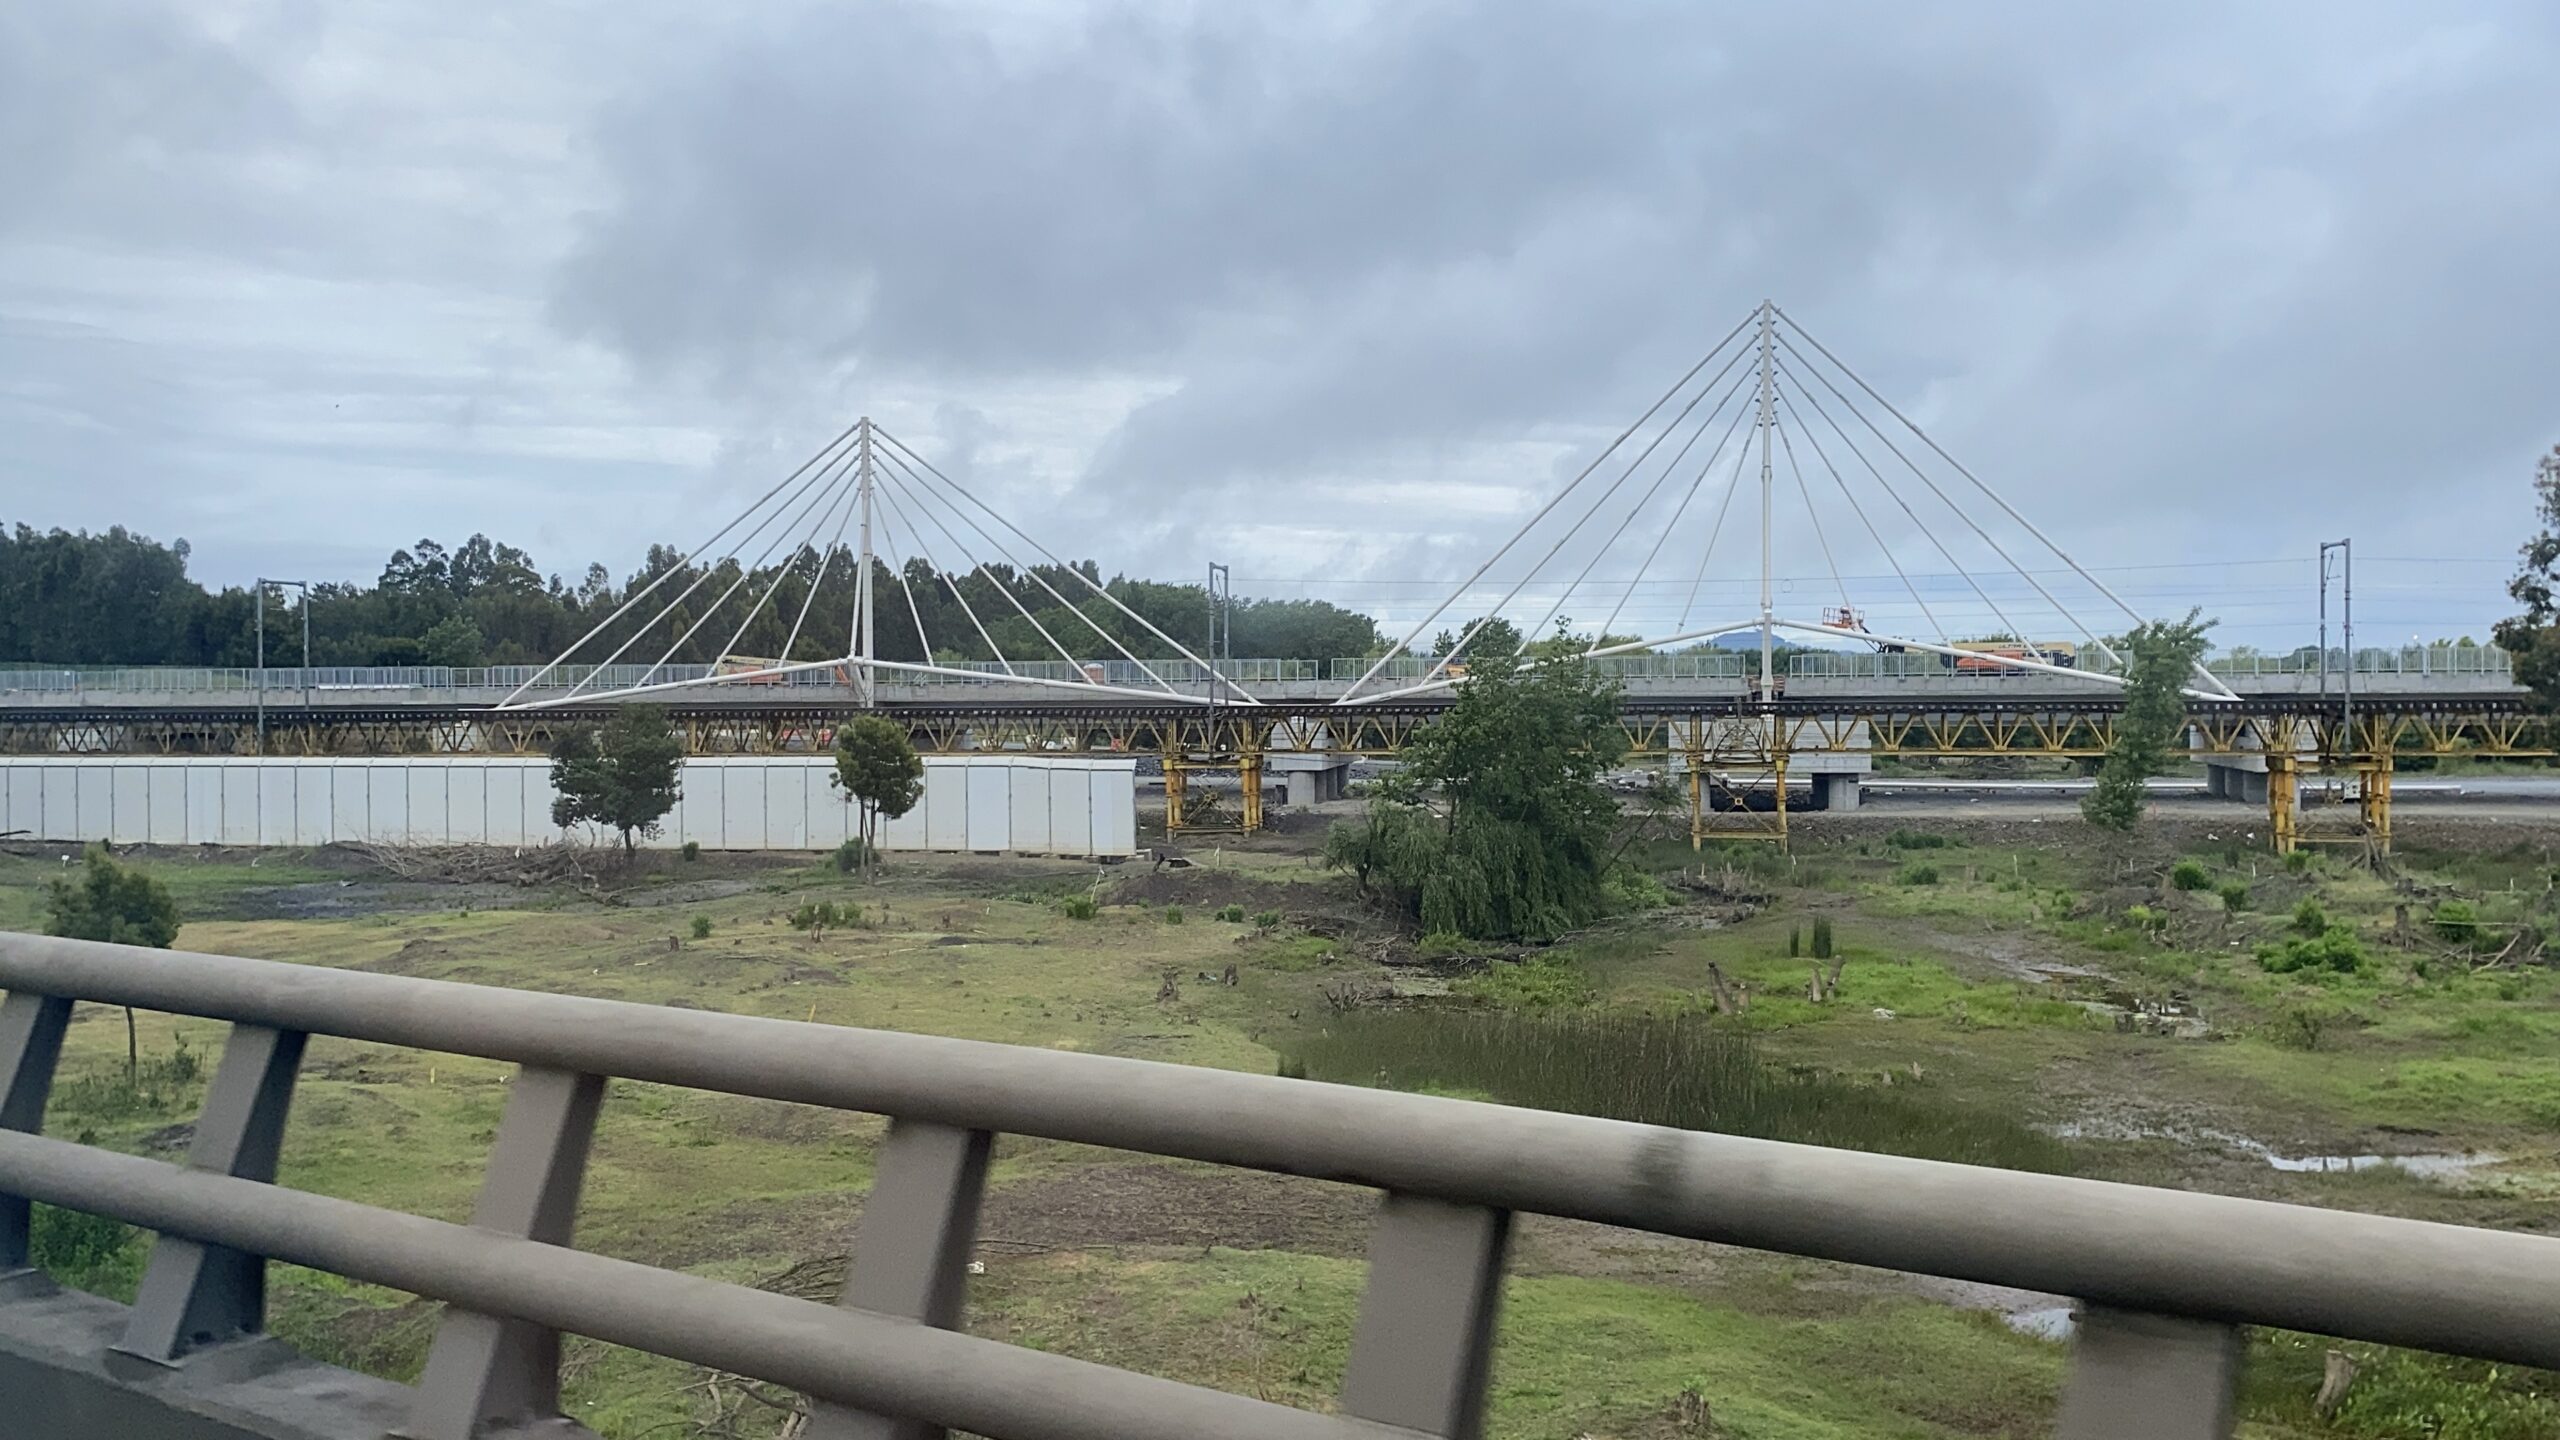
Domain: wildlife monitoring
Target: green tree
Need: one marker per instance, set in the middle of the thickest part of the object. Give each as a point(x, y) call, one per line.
point(120, 906)
point(2159, 656)
point(625, 777)
point(455, 640)
point(2533, 637)
point(1497, 826)
point(878, 769)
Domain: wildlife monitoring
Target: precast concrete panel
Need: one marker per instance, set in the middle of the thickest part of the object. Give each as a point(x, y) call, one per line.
point(62, 801)
point(1071, 809)
point(466, 803)
point(314, 817)
point(1115, 809)
point(742, 807)
point(204, 803)
point(239, 801)
point(503, 804)
point(350, 801)
point(946, 805)
point(129, 804)
point(276, 785)
point(426, 786)
point(786, 803)
point(165, 797)
point(990, 807)
point(386, 789)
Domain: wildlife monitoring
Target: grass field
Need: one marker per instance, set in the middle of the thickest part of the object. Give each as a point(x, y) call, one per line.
point(2010, 984)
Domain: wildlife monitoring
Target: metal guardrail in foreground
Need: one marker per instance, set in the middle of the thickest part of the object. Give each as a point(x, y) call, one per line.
point(2164, 1277)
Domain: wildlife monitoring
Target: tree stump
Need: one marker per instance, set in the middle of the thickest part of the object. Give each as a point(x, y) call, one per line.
point(2339, 1374)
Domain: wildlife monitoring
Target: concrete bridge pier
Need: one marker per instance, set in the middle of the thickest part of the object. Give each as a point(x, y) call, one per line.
point(1311, 779)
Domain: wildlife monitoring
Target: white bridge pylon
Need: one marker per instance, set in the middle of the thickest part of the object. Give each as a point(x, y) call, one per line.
point(890, 496)
point(1881, 481)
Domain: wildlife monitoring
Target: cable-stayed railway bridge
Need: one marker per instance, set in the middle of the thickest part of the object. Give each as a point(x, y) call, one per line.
point(2164, 1279)
point(1769, 470)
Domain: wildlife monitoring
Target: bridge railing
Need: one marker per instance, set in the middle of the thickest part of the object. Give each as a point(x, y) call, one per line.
point(2164, 1278)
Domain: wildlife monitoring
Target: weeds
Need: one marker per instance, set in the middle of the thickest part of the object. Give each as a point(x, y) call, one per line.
point(1080, 907)
point(701, 927)
point(1173, 914)
point(1231, 914)
point(1683, 1071)
point(1822, 939)
point(2335, 950)
point(1902, 839)
point(1916, 874)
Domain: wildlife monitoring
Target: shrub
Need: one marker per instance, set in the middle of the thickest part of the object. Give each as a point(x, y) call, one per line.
point(1916, 840)
point(1916, 874)
point(1822, 939)
point(2304, 1027)
point(821, 915)
point(2298, 861)
point(1267, 921)
point(693, 849)
point(1631, 889)
point(84, 1251)
point(2190, 875)
point(1232, 914)
point(1173, 914)
point(1081, 907)
point(2456, 921)
point(850, 855)
point(2146, 919)
point(2235, 896)
point(2335, 951)
point(2309, 918)
point(701, 927)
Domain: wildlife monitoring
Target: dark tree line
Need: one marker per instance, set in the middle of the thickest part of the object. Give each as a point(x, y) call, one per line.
point(73, 598)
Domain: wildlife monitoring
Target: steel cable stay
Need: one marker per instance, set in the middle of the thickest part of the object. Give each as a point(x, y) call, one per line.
point(1959, 511)
point(951, 578)
point(1837, 479)
point(1243, 695)
point(1791, 382)
point(1936, 542)
point(823, 480)
point(1643, 503)
point(1706, 467)
point(821, 458)
point(1432, 679)
point(1467, 586)
point(1031, 571)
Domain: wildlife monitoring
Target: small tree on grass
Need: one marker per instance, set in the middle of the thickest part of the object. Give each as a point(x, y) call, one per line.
point(120, 906)
point(2160, 655)
point(625, 777)
point(878, 769)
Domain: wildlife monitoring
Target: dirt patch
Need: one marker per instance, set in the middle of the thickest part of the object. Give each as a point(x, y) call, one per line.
point(351, 899)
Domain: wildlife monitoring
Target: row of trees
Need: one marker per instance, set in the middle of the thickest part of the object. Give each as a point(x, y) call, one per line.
point(73, 598)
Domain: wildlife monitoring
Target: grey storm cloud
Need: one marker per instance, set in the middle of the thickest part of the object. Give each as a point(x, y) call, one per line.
point(1344, 288)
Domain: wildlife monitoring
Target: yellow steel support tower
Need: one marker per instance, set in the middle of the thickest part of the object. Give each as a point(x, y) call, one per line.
point(2284, 802)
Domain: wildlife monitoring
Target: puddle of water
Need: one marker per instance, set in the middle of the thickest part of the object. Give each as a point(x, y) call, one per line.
point(2436, 1165)
point(2050, 1322)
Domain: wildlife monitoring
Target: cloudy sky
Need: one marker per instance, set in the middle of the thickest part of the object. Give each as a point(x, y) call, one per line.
point(1338, 294)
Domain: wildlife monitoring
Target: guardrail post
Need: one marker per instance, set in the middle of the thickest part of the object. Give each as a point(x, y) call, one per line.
point(1424, 1344)
point(2150, 1377)
point(193, 1294)
point(31, 1029)
point(486, 1371)
point(911, 1251)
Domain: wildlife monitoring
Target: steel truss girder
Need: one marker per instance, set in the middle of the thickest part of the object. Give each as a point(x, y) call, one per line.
point(2495, 727)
